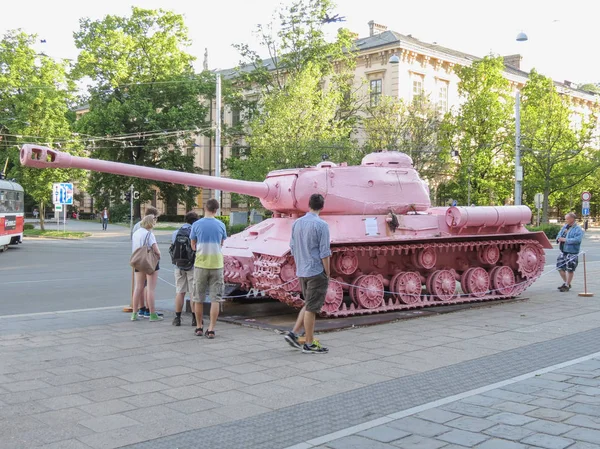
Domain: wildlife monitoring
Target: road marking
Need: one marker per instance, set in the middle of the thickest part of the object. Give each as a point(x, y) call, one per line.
point(95, 309)
point(434, 404)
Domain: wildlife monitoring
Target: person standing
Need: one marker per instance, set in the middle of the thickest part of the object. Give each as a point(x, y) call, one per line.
point(144, 236)
point(183, 258)
point(310, 248)
point(105, 216)
point(207, 237)
point(569, 241)
point(144, 311)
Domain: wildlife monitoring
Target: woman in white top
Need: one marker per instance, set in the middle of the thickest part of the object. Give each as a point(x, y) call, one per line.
point(137, 240)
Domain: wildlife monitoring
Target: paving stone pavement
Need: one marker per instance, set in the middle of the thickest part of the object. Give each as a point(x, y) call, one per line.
point(95, 380)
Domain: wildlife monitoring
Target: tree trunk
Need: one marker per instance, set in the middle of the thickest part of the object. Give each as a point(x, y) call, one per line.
point(545, 205)
point(42, 215)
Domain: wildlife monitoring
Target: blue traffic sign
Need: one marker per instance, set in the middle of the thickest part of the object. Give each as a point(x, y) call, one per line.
point(454, 203)
point(62, 193)
point(585, 211)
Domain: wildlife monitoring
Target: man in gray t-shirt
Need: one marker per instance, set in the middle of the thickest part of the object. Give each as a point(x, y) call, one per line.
point(310, 248)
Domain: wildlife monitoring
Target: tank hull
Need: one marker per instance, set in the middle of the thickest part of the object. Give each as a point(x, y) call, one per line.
point(424, 262)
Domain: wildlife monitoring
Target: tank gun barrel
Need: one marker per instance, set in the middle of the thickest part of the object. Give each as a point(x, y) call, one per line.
point(43, 157)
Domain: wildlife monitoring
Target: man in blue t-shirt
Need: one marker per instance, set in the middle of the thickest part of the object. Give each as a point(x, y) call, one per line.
point(207, 237)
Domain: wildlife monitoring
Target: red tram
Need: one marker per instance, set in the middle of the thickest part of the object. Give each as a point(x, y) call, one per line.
point(12, 216)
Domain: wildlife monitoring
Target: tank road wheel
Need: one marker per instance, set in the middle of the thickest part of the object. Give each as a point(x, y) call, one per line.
point(287, 273)
point(426, 258)
point(488, 255)
point(503, 281)
point(477, 282)
point(369, 291)
point(407, 287)
point(443, 285)
point(530, 260)
point(334, 298)
point(352, 290)
point(346, 262)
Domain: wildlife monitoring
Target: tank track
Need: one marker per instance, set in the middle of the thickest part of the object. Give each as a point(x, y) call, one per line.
point(524, 257)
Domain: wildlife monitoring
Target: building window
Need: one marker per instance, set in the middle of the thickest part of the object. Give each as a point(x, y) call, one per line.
point(417, 87)
point(375, 92)
point(443, 97)
point(235, 117)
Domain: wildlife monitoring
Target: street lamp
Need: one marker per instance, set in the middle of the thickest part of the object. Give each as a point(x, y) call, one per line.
point(521, 37)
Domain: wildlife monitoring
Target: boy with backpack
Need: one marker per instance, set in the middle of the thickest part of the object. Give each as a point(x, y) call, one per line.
point(183, 257)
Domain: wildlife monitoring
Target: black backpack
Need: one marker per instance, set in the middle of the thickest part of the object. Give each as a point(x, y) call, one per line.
point(182, 254)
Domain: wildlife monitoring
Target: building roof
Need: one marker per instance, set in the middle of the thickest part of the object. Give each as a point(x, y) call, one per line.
point(392, 38)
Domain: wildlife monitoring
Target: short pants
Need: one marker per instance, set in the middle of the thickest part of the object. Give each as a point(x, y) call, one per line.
point(314, 291)
point(567, 262)
point(211, 280)
point(184, 282)
point(156, 269)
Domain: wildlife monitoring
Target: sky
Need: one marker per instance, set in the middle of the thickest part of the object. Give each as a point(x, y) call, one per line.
point(563, 35)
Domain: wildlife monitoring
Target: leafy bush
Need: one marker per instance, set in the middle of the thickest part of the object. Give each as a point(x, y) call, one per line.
point(551, 230)
point(235, 229)
point(224, 219)
point(28, 226)
point(119, 213)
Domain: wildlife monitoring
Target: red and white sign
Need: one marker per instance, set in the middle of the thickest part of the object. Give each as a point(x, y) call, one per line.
point(586, 196)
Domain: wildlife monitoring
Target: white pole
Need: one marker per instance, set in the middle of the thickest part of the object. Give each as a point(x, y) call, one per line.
point(131, 210)
point(218, 138)
point(518, 168)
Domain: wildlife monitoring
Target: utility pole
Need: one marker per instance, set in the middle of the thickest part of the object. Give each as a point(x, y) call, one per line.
point(218, 139)
point(518, 168)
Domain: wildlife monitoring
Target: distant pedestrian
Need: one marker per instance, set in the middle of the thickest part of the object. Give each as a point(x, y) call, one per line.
point(143, 236)
point(207, 237)
point(569, 240)
point(310, 248)
point(35, 213)
point(105, 217)
point(183, 258)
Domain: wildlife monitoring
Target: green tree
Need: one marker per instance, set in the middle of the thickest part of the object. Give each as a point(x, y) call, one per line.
point(145, 89)
point(35, 94)
point(481, 135)
point(297, 40)
point(557, 145)
point(297, 127)
point(411, 128)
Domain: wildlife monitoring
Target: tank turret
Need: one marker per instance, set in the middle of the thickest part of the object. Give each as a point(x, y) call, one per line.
point(391, 249)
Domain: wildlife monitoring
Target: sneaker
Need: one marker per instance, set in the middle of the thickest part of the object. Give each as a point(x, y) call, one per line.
point(155, 317)
point(315, 348)
point(565, 288)
point(134, 316)
point(146, 313)
point(561, 286)
point(160, 314)
point(292, 340)
point(177, 321)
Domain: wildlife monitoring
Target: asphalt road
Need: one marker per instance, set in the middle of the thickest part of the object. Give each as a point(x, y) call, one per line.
point(44, 275)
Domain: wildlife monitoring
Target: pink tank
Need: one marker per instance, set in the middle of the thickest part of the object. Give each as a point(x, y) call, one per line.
point(391, 249)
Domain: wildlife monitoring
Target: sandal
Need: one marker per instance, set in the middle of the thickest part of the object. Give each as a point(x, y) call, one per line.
point(199, 332)
point(210, 334)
